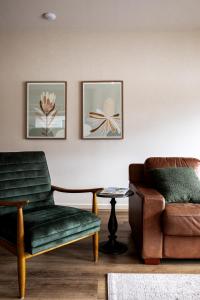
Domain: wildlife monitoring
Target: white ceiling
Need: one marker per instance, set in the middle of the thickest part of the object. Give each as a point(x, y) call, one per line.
point(101, 15)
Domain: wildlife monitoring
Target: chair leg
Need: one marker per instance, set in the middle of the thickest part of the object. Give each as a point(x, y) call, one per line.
point(96, 246)
point(21, 263)
point(21, 259)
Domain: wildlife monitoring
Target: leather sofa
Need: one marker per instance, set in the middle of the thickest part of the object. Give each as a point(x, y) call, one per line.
point(162, 230)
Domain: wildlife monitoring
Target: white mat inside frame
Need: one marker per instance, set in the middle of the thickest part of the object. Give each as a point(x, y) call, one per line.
point(123, 286)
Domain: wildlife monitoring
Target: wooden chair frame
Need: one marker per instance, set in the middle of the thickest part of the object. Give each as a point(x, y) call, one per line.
point(19, 249)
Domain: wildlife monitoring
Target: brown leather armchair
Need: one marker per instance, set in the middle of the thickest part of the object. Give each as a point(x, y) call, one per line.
point(162, 230)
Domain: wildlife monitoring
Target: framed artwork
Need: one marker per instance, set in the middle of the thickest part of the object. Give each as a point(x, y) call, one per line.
point(46, 109)
point(102, 110)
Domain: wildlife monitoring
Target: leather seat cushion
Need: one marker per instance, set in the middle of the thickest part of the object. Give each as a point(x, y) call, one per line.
point(48, 226)
point(181, 219)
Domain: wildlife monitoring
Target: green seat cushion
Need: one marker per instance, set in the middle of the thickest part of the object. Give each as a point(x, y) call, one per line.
point(177, 184)
point(48, 226)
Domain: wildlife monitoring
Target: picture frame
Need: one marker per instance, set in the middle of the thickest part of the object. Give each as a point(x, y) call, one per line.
point(102, 110)
point(46, 110)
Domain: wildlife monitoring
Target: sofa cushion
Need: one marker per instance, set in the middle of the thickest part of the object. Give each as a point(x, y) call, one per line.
point(177, 184)
point(181, 219)
point(170, 162)
point(49, 226)
point(183, 247)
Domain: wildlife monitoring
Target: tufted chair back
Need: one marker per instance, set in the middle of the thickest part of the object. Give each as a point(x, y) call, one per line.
point(24, 176)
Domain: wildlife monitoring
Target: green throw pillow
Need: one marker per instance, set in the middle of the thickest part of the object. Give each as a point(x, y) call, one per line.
point(177, 184)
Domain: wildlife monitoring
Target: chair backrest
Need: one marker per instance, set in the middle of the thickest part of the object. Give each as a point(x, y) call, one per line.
point(24, 176)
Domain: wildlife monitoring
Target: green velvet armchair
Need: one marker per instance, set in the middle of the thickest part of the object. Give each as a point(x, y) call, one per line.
point(30, 222)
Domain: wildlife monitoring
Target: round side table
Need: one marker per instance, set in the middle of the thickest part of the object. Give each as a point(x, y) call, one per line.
point(112, 246)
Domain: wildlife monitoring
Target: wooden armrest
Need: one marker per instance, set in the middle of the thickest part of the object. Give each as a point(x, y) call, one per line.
point(18, 204)
point(92, 190)
point(64, 190)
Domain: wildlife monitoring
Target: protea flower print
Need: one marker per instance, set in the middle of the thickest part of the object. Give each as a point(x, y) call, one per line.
point(106, 120)
point(47, 102)
point(47, 110)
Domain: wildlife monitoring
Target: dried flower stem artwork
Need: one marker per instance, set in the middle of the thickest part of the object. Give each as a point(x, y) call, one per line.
point(102, 114)
point(46, 110)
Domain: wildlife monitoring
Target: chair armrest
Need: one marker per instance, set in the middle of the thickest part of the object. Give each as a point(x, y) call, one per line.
point(147, 205)
point(92, 190)
point(64, 190)
point(18, 204)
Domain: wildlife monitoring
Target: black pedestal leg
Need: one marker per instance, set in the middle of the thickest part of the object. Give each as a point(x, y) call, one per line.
point(112, 246)
point(112, 223)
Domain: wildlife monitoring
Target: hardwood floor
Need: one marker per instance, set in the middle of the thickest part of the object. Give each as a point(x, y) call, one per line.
point(70, 273)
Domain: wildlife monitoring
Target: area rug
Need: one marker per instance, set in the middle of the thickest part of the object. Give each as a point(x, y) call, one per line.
point(153, 286)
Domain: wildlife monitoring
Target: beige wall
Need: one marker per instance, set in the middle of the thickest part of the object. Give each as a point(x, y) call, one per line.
point(161, 74)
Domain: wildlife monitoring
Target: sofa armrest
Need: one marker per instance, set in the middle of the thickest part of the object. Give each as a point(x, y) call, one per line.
point(136, 173)
point(146, 207)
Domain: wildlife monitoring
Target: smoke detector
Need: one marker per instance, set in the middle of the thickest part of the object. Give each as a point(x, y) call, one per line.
point(50, 16)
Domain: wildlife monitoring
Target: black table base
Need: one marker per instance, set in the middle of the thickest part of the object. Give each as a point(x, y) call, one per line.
point(112, 246)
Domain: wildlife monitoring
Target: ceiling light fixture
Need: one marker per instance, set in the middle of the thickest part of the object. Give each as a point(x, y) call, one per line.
point(50, 16)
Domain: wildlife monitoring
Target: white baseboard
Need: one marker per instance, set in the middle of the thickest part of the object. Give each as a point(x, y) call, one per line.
point(103, 206)
point(100, 206)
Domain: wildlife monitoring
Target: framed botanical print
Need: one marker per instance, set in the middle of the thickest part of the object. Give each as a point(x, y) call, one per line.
point(102, 110)
point(46, 109)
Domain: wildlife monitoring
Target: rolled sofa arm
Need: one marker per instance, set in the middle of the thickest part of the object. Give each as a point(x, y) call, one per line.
point(145, 209)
